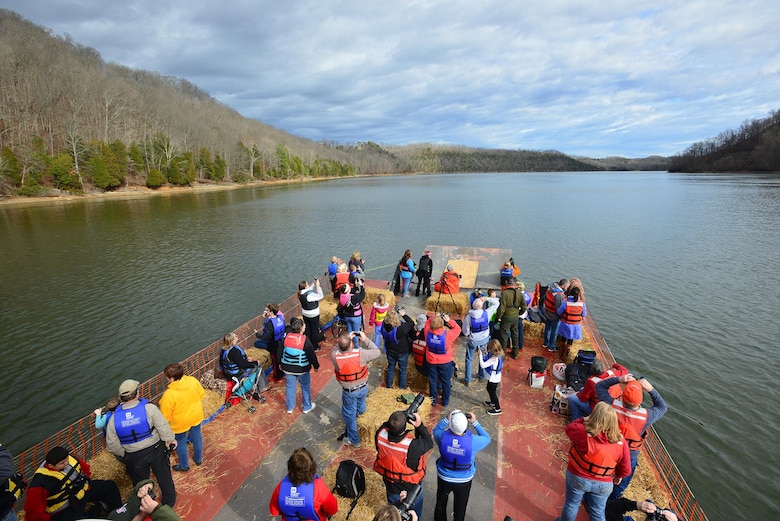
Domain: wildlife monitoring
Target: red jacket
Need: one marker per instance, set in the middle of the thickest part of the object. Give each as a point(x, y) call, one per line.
point(452, 335)
point(588, 391)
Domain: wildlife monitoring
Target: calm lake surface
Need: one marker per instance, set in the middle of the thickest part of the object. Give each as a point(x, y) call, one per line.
point(681, 274)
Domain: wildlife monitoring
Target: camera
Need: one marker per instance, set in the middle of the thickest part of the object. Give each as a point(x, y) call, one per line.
point(469, 416)
point(407, 504)
point(658, 515)
point(152, 495)
point(414, 406)
point(398, 308)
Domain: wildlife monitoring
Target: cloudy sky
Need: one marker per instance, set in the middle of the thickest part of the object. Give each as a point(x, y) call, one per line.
point(613, 77)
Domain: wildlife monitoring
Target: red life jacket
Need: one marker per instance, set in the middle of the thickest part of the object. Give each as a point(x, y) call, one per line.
point(419, 348)
point(549, 300)
point(601, 459)
point(348, 368)
point(391, 459)
point(631, 423)
point(573, 313)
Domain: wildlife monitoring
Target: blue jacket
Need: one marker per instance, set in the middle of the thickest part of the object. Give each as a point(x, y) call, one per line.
point(479, 441)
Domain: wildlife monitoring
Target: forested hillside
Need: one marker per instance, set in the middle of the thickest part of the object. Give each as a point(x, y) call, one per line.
point(69, 122)
point(754, 147)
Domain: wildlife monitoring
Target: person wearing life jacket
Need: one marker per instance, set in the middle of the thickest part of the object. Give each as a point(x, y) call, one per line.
point(490, 304)
point(449, 282)
point(457, 465)
point(419, 346)
point(571, 312)
point(342, 277)
point(511, 306)
point(234, 363)
point(139, 433)
point(333, 268)
point(379, 311)
point(272, 336)
point(581, 403)
point(476, 329)
point(61, 490)
point(440, 355)
point(351, 368)
point(598, 457)
point(633, 419)
point(491, 360)
point(302, 495)
point(424, 272)
point(396, 330)
point(298, 357)
point(310, 296)
point(401, 456)
point(553, 298)
point(508, 270)
point(11, 485)
point(103, 414)
point(350, 306)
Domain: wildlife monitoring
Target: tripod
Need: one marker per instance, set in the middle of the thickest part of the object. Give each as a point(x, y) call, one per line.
point(443, 281)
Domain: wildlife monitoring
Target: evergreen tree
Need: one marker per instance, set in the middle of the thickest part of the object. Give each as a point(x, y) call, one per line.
point(155, 178)
point(61, 169)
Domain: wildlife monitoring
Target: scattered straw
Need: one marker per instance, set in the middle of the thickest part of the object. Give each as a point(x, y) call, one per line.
point(380, 404)
point(365, 509)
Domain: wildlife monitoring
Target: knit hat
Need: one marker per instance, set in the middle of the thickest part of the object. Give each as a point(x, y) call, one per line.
point(422, 318)
point(632, 393)
point(128, 388)
point(458, 422)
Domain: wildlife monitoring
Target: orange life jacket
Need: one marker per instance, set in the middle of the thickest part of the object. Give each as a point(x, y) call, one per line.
point(549, 300)
point(348, 368)
point(631, 423)
point(418, 352)
point(341, 279)
point(601, 459)
point(391, 459)
point(573, 313)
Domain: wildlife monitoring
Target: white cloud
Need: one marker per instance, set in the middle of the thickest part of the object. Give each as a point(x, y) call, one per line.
point(605, 78)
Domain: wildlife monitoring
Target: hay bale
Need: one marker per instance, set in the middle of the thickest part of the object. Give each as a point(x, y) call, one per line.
point(212, 401)
point(454, 305)
point(106, 466)
point(367, 505)
point(533, 329)
point(380, 404)
point(261, 355)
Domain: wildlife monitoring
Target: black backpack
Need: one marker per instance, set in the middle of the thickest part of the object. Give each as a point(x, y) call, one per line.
point(350, 482)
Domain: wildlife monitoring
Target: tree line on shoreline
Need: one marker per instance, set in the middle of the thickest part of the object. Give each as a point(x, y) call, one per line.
point(70, 122)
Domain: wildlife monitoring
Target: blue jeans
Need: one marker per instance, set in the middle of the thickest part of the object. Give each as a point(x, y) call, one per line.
point(440, 374)
point(11, 515)
point(472, 348)
point(594, 492)
point(578, 408)
point(378, 336)
point(290, 381)
point(353, 324)
point(353, 404)
point(406, 283)
point(617, 491)
point(194, 435)
point(393, 359)
point(394, 499)
point(551, 332)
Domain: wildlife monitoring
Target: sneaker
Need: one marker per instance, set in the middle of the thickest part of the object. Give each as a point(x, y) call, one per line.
point(495, 412)
point(290, 411)
point(488, 403)
point(350, 444)
point(467, 383)
point(313, 406)
point(179, 468)
point(198, 463)
point(552, 349)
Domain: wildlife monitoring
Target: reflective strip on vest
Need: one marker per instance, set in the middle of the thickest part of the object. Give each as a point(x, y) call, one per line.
point(601, 460)
point(348, 368)
point(573, 313)
point(631, 423)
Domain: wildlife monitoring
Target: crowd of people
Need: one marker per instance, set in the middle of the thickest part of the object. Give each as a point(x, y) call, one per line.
point(607, 427)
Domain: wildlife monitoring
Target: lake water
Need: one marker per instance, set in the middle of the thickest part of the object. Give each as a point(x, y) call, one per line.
point(681, 274)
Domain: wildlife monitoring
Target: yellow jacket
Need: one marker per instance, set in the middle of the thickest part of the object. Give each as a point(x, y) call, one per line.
point(181, 404)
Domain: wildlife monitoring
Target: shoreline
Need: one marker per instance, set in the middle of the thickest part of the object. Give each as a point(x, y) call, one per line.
point(138, 192)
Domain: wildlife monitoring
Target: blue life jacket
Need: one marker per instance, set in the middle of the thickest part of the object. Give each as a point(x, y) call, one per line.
point(131, 424)
point(109, 414)
point(333, 268)
point(507, 273)
point(297, 502)
point(229, 367)
point(277, 324)
point(480, 324)
point(437, 344)
point(527, 297)
point(494, 369)
point(390, 336)
point(293, 353)
point(456, 451)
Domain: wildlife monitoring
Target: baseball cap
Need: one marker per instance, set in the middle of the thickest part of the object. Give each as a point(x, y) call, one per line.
point(458, 422)
point(632, 393)
point(128, 388)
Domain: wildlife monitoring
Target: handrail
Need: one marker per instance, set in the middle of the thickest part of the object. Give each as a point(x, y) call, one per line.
point(82, 439)
point(682, 498)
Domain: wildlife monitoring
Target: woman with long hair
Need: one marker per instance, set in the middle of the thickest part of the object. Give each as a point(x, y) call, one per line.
point(407, 267)
point(598, 457)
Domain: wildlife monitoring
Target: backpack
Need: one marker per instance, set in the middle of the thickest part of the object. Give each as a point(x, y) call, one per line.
point(577, 374)
point(350, 482)
point(585, 357)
